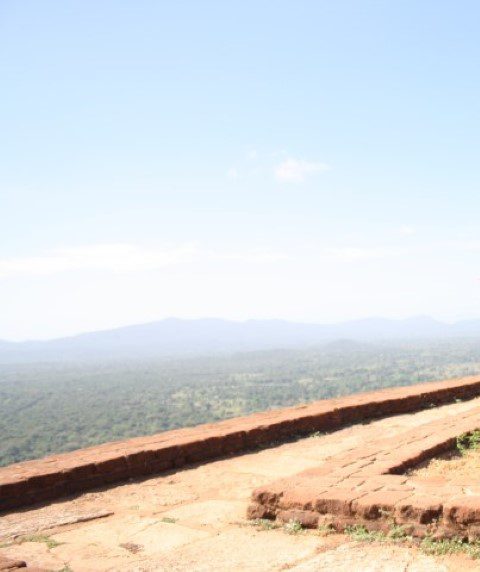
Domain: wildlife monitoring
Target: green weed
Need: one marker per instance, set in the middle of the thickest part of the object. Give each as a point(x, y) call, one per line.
point(468, 441)
point(450, 546)
point(293, 527)
point(325, 529)
point(428, 545)
point(265, 524)
point(398, 533)
point(360, 533)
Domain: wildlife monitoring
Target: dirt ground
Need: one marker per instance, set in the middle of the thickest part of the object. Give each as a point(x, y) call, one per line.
point(194, 520)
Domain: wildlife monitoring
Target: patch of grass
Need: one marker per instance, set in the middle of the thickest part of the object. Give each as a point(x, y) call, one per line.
point(66, 568)
point(293, 527)
point(450, 546)
point(50, 542)
point(427, 545)
point(325, 529)
point(360, 533)
point(169, 520)
point(316, 434)
point(398, 533)
point(468, 441)
point(265, 524)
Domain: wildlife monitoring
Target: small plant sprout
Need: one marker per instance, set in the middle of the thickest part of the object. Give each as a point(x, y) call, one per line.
point(450, 546)
point(293, 527)
point(360, 533)
point(325, 529)
point(468, 441)
point(265, 524)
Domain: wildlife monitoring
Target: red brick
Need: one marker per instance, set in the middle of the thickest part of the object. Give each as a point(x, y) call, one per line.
point(464, 509)
point(256, 511)
point(337, 501)
point(376, 505)
point(299, 497)
point(306, 518)
point(419, 508)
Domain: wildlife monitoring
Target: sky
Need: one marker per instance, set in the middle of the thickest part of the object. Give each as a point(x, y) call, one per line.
point(309, 160)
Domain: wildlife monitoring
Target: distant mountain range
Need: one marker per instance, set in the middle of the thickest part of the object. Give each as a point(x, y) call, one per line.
point(175, 337)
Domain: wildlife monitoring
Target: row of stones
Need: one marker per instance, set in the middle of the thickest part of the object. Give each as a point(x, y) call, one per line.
point(364, 487)
point(46, 479)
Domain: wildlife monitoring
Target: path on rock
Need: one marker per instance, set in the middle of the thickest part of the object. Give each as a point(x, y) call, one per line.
point(195, 519)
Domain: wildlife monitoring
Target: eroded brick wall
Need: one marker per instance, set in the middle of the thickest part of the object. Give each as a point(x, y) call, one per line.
point(46, 479)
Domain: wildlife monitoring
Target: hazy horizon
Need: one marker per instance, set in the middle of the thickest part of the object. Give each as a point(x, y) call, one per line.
point(242, 321)
point(119, 325)
point(231, 320)
point(312, 161)
point(347, 328)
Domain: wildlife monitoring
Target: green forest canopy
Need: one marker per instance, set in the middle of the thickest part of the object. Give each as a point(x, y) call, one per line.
point(53, 407)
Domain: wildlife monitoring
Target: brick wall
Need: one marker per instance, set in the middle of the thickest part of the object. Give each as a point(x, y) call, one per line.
point(46, 479)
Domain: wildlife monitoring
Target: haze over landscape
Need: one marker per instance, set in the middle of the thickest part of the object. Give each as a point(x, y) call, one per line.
point(175, 338)
point(209, 209)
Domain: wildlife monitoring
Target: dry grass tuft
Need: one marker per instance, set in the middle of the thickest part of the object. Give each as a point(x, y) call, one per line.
point(451, 465)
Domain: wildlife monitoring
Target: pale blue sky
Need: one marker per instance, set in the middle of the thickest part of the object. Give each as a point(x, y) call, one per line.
point(307, 160)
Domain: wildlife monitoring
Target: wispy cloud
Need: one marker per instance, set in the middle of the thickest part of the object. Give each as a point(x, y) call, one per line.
point(124, 258)
point(406, 230)
point(469, 245)
point(252, 256)
point(296, 170)
point(132, 258)
point(232, 173)
point(350, 253)
point(111, 257)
